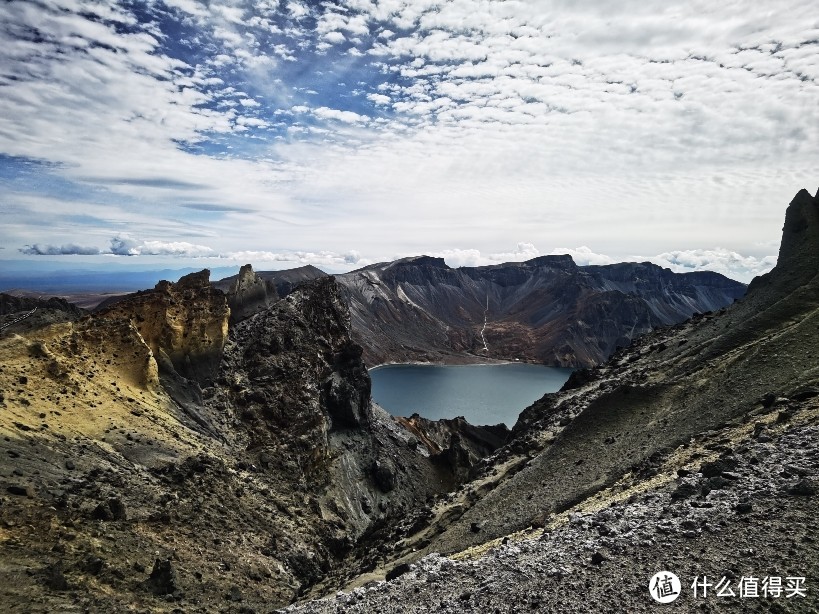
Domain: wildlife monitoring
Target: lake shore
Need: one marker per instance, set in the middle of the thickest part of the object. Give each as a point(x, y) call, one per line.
point(486, 362)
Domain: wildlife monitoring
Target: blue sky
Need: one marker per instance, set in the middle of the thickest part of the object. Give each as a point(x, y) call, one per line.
point(184, 133)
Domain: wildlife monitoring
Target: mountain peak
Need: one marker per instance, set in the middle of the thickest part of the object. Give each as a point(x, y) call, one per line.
point(800, 233)
point(556, 260)
point(798, 260)
point(423, 260)
point(200, 279)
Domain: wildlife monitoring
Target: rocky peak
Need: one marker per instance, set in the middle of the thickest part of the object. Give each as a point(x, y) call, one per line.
point(199, 280)
point(419, 270)
point(428, 261)
point(798, 260)
point(302, 338)
point(560, 261)
point(246, 276)
point(184, 323)
point(800, 235)
point(249, 294)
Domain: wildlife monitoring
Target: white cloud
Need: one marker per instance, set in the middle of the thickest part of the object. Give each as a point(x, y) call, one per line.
point(334, 37)
point(583, 255)
point(721, 260)
point(189, 6)
point(297, 9)
point(348, 117)
point(379, 99)
point(70, 249)
point(473, 257)
point(125, 245)
point(298, 258)
point(634, 128)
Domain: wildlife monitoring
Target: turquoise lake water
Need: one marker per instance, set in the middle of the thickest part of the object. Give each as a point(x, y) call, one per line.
point(483, 394)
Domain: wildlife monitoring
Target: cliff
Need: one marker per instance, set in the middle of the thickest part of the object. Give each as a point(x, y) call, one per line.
point(184, 323)
point(545, 310)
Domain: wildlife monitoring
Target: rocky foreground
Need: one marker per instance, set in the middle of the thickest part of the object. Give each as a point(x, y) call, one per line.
point(741, 503)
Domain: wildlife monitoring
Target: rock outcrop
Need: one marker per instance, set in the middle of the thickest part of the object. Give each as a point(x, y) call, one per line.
point(455, 443)
point(184, 323)
point(24, 313)
point(545, 310)
point(250, 292)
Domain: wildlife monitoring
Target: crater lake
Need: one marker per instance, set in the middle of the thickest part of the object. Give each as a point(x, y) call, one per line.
point(483, 394)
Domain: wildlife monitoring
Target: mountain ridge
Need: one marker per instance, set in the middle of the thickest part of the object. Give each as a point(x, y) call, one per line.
point(546, 310)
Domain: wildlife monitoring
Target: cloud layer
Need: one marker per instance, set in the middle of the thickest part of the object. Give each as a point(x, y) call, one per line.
point(309, 130)
point(720, 260)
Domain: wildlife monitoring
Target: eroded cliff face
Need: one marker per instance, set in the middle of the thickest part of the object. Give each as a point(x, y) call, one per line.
point(292, 375)
point(545, 310)
point(155, 454)
point(184, 323)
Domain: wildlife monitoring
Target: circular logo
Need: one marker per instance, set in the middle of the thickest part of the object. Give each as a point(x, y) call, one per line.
point(664, 587)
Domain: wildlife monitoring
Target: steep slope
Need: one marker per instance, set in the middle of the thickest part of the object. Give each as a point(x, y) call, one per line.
point(734, 514)
point(720, 382)
point(667, 389)
point(153, 458)
point(545, 310)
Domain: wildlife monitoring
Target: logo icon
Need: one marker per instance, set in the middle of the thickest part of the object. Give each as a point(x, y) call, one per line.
point(664, 587)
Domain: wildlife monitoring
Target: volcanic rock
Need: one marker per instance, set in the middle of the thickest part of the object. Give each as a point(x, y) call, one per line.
point(545, 310)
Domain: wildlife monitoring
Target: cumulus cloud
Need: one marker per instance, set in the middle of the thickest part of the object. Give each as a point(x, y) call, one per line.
point(720, 260)
point(334, 37)
point(379, 99)
point(124, 245)
point(323, 258)
point(583, 255)
point(348, 117)
point(69, 249)
point(473, 257)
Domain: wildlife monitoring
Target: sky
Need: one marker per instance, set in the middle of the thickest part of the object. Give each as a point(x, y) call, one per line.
point(182, 133)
